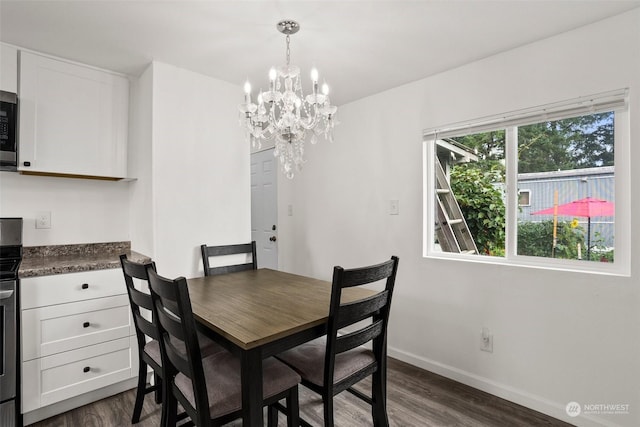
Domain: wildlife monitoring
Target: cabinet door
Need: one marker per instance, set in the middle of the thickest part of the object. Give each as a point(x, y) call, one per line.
point(73, 119)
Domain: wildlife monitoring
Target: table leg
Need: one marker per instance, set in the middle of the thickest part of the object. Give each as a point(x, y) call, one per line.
point(251, 375)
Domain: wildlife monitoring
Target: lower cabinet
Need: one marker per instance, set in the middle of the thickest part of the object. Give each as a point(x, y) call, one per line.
point(52, 379)
point(77, 336)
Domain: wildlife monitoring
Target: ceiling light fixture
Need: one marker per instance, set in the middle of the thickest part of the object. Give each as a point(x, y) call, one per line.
point(284, 114)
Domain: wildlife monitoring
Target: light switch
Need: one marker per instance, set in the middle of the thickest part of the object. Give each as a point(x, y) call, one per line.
point(394, 207)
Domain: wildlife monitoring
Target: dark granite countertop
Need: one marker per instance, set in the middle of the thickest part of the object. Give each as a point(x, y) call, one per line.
point(61, 259)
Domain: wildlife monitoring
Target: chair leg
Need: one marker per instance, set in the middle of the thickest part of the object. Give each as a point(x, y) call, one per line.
point(272, 416)
point(328, 410)
point(158, 383)
point(379, 404)
point(140, 391)
point(169, 407)
point(293, 406)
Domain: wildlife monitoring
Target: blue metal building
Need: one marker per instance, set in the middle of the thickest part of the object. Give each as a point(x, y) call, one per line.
point(536, 192)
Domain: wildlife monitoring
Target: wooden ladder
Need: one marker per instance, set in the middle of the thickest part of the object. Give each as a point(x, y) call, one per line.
point(451, 228)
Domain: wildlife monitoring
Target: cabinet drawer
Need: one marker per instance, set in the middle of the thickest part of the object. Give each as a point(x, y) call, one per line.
point(62, 288)
point(55, 378)
point(58, 328)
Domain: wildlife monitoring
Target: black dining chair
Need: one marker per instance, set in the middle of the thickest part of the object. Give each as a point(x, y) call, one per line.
point(147, 334)
point(223, 250)
point(209, 389)
point(333, 364)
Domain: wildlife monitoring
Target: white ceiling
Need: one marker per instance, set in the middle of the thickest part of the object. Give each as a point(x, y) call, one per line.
point(359, 47)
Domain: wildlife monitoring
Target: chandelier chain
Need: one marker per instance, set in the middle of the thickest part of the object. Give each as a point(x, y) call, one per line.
point(288, 50)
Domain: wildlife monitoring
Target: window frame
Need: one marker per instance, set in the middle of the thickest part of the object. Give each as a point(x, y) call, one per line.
point(616, 101)
point(524, 190)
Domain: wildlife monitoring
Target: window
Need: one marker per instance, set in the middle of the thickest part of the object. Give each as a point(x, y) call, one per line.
point(535, 187)
point(524, 197)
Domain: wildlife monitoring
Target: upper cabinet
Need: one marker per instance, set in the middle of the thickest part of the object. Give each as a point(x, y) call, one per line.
point(8, 68)
point(73, 119)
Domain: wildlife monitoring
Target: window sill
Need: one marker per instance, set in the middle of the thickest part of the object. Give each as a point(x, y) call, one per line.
point(584, 267)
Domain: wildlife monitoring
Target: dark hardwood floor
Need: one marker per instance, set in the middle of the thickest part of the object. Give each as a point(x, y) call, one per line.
point(415, 398)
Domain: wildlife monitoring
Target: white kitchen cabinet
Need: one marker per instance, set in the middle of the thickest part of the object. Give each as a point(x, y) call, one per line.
point(77, 336)
point(73, 118)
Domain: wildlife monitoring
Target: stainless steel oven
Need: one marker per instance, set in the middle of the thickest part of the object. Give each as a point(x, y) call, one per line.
point(8, 131)
point(10, 258)
point(8, 342)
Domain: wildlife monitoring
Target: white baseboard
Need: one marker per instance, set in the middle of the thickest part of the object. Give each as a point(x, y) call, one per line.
point(521, 397)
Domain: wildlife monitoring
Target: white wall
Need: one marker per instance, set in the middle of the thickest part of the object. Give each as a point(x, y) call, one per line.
point(199, 168)
point(558, 336)
point(139, 162)
point(82, 211)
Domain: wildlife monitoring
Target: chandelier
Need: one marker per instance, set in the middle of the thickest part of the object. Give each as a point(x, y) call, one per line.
point(284, 114)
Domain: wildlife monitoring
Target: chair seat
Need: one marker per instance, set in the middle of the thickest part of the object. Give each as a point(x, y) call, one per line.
point(308, 360)
point(224, 389)
point(152, 349)
point(208, 347)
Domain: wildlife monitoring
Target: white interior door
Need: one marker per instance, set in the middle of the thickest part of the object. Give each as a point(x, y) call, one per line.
point(264, 209)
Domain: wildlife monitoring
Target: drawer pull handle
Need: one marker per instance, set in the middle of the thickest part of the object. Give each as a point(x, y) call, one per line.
point(86, 369)
point(86, 324)
point(85, 286)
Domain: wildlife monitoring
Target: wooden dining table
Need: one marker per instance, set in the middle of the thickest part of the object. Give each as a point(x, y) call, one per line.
point(256, 314)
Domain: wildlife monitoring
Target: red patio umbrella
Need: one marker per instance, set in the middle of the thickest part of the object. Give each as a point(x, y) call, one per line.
point(587, 207)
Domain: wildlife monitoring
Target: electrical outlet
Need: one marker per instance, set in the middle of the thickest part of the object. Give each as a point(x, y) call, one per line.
point(486, 340)
point(43, 220)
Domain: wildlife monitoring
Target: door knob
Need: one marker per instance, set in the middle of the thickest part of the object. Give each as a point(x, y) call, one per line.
point(273, 238)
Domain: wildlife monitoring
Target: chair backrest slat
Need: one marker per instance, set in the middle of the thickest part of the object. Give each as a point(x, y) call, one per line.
point(223, 250)
point(357, 338)
point(224, 269)
point(365, 275)
point(140, 299)
point(229, 249)
point(356, 311)
point(146, 327)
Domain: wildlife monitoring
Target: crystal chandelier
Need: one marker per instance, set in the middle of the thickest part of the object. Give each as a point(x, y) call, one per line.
point(285, 115)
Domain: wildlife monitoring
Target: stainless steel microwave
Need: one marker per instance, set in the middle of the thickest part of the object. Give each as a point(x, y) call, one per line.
point(8, 131)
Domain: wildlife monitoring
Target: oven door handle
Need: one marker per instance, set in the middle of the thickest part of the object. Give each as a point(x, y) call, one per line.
point(6, 294)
